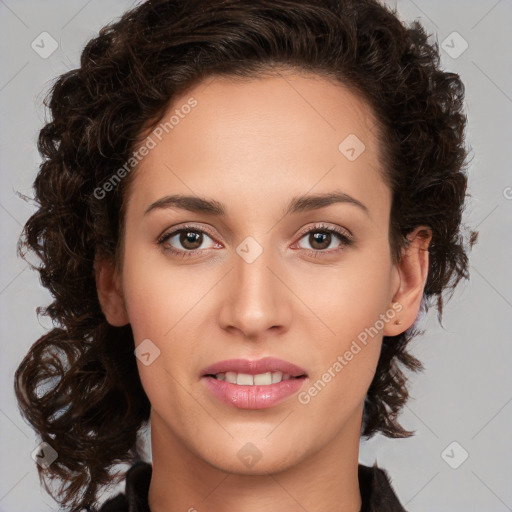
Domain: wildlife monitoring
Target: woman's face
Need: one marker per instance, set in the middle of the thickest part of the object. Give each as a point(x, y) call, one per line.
point(260, 274)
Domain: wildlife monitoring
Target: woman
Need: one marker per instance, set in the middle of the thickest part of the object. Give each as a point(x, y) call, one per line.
point(242, 208)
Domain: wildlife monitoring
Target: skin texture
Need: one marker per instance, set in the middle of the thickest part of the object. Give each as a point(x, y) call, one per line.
point(253, 146)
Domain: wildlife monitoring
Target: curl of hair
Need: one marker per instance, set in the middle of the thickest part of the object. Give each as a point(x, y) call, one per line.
point(94, 404)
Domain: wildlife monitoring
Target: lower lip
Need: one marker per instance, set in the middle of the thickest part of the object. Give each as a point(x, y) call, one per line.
point(253, 397)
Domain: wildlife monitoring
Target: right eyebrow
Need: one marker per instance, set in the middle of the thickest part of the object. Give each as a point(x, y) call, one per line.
point(191, 203)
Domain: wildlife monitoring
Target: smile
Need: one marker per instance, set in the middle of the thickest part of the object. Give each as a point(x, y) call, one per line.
point(261, 379)
point(253, 384)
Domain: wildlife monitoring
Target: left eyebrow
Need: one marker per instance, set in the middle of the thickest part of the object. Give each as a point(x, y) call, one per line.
point(296, 205)
point(317, 201)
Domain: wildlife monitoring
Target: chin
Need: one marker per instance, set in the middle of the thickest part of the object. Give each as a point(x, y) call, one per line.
point(255, 456)
point(268, 464)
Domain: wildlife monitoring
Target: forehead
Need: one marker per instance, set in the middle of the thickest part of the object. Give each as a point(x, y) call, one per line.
point(289, 104)
point(244, 137)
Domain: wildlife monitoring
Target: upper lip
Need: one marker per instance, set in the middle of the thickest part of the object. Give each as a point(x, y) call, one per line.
point(254, 367)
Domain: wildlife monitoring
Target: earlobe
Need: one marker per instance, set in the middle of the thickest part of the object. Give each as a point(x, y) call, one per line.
point(412, 272)
point(110, 294)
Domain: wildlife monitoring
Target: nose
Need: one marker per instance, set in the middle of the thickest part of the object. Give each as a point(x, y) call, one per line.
point(256, 301)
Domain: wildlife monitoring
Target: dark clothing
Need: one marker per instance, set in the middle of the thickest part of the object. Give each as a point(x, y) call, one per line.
point(376, 492)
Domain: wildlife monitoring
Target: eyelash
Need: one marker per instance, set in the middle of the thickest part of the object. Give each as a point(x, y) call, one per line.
point(321, 228)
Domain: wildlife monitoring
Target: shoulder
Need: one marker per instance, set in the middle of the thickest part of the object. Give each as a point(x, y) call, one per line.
point(135, 498)
point(377, 493)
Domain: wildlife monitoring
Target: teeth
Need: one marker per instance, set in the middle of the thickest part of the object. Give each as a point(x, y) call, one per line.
point(230, 377)
point(261, 379)
point(244, 379)
point(277, 377)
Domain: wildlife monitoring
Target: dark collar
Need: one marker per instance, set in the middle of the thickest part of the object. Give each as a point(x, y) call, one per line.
point(376, 491)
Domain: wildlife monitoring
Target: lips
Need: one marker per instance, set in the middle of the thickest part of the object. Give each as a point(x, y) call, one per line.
point(247, 384)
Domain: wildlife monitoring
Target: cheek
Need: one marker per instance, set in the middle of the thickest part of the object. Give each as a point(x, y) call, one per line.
point(162, 303)
point(353, 304)
point(156, 297)
point(350, 298)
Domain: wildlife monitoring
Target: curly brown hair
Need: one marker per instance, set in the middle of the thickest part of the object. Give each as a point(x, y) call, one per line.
point(93, 405)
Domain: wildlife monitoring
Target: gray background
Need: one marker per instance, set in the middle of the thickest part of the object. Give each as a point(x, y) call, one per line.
point(464, 395)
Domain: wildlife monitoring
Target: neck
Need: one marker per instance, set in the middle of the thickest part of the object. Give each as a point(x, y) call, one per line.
point(323, 481)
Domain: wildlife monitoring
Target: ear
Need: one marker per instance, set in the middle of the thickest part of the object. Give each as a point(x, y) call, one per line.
point(110, 293)
point(411, 273)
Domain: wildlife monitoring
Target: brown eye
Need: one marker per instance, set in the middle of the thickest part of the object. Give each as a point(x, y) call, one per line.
point(320, 240)
point(187, 241)
point(191, 239)
point(323, 240)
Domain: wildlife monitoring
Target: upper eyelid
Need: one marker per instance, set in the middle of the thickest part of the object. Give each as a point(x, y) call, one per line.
point(322, 226)
point(175, 231)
